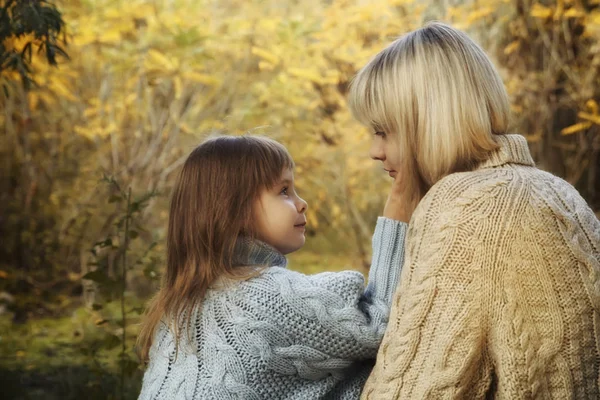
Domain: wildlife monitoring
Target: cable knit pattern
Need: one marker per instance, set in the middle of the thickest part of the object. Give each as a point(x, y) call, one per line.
point(499, 297)
point(282, 334)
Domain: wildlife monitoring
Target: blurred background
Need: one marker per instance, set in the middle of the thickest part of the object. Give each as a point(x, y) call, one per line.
point(101, 101)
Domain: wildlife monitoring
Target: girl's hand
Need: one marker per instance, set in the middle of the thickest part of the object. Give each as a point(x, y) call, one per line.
point(400, 203)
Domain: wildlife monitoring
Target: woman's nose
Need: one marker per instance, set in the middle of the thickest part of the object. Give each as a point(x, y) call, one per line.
point(376, 151)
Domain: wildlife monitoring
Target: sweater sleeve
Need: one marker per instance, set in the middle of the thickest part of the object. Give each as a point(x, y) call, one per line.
point(435, 343)
point(318, 325)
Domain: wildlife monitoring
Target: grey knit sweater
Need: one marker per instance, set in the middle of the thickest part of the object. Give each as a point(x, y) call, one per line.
point(282, 334)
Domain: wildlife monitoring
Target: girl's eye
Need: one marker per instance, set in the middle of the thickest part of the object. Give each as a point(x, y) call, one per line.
point(284, 191)
point(379, 133)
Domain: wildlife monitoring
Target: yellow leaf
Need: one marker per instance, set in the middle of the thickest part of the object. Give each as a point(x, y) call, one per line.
point(85, 132)
point(540, 11)
point(20, 354)
point(592, 105)
point(265, 66)
point(559, 11)
point(112, 13)
point(61, 89)
point(156, 57)
point(336, 210)
point(73, 277)
point(592, 118)
point(305, 73)
point(479, 14)
point(265, 55)
point(202, 78)
point(580, 126)
point(178, 86)
point(34, 99)
point(131, 97)
point(110, 36)
point(534, 138)
point(510, 48)
point(593, 20)
point(283, 78)
point(46, 97)
point(313, 221)
point(574, 13)
point(90, 112)
point(185, 129)
point(516, 108)
point(3, 274)
point(269, 24)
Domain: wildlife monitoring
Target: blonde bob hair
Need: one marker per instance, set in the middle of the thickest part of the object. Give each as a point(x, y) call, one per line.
point(437, 90)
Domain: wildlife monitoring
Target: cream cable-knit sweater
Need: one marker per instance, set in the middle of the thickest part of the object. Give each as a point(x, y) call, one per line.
point(499, 297)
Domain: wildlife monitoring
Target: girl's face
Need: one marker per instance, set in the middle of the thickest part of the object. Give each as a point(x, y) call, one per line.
point(385, 149)
point(280, 215)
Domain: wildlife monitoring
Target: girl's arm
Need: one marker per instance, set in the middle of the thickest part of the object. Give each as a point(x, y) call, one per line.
point(314, 326)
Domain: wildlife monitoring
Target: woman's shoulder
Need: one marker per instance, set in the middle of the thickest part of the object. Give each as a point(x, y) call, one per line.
point(458, 192)
point(510, 189)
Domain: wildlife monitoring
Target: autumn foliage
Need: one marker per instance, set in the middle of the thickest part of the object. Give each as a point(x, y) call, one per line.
point(147, 80)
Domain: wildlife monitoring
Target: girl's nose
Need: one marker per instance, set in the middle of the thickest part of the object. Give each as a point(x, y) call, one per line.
point(301, 205)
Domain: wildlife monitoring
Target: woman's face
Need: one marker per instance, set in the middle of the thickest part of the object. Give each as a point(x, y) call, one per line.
point(385, 148)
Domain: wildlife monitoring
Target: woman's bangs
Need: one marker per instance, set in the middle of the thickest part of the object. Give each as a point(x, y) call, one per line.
point(371, 99)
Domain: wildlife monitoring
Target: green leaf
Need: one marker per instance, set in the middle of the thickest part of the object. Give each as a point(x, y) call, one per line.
point(111, 341)
point(135, 207)
point(104, 243)
point(137, 310)
point(128, 366)
point(150, 273)
point(113, 286)
point(97, 276)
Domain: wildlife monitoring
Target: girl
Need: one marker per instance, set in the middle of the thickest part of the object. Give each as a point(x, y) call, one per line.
point(501, 285)
point(230, 321)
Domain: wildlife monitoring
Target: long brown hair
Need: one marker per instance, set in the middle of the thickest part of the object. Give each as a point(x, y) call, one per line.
point(211, 206)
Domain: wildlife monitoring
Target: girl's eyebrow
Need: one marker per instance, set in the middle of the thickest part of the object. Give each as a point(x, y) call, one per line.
point(285, 182)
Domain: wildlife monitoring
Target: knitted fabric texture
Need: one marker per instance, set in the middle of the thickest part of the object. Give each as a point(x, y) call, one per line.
point(499, 296)
point(282, 334)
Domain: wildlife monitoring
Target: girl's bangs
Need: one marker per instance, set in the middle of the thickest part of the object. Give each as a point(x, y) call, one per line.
point(274, 159)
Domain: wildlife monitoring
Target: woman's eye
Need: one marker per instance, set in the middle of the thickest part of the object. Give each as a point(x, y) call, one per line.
point(379, 133)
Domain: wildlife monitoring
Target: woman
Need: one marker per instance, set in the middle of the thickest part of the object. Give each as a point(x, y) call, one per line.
point(499, 296)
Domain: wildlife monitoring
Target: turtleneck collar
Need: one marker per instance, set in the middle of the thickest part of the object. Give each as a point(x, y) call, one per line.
point(249, 252)
point(513, 149)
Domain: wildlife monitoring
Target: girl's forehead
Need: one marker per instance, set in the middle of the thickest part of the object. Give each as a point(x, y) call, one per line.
point(287, 174)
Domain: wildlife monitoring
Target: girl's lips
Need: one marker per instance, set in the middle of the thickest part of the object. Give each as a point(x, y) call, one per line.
point(300, 226)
